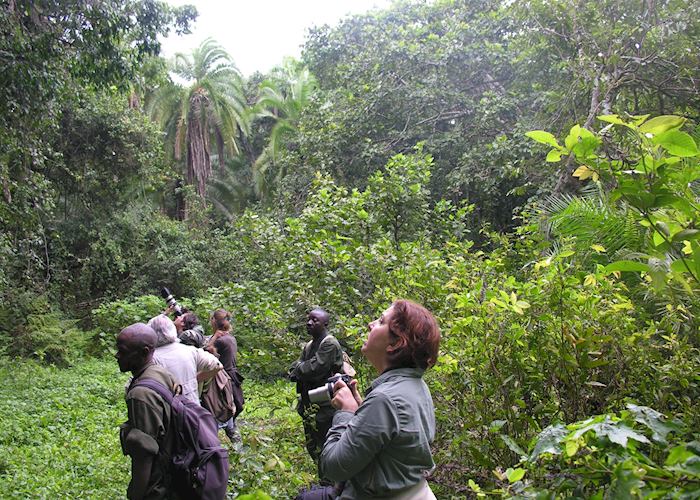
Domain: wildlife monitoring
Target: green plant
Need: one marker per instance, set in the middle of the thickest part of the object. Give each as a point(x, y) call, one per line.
point(111, 317)
point(638, 453)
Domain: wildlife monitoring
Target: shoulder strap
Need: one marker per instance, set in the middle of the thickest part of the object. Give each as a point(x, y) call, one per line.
point(329, 336)
point(307, 347)
point(156, 386)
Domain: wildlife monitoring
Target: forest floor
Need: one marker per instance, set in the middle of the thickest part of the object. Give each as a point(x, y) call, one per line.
point(59, 435)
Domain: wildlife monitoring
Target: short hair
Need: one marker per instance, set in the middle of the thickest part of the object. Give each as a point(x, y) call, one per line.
point(165, 329)
point(324, 314)
point(418, 336)
point(189, 320)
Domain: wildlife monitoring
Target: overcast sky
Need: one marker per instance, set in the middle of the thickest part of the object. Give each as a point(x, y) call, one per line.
point(260, 33)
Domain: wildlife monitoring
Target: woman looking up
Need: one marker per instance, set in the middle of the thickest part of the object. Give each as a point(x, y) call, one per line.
point(380, 446)
point(189, 331)
point(227, 348)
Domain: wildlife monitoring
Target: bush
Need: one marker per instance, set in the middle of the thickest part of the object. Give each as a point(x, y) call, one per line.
point(111, 317)
point(31, 327)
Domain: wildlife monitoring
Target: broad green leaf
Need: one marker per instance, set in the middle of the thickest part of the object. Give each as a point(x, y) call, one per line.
point(583, 173)
point(626, 265)
point(678, 455)
point(473, 486)
point(512, 445)
point(679, 266)
point(612, 119)
point(553, 156)
point(687, 234)
point(571, 447)
point(616, 432)
point(543, 137)
point(573, 136)
point(549, 441)
point(626, 482)
point(639, 119)
point(654, 420)
point(660, 124)
point(598, 248)
point(677, 143)
point(586, 144)
point(514, 475)
point(658, 239)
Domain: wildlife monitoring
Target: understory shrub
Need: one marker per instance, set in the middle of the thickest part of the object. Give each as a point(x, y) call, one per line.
point(534, 335)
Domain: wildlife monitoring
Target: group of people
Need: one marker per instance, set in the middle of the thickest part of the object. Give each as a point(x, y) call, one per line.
point(376, 446)
point(177, 355)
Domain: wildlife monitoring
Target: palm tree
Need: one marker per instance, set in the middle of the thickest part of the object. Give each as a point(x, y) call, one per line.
point(282, 98)
point(209, 107)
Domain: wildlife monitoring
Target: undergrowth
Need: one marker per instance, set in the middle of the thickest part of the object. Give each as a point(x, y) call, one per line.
point(59, 435)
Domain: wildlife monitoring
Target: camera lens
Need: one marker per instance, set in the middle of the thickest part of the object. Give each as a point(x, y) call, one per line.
point(321, 394)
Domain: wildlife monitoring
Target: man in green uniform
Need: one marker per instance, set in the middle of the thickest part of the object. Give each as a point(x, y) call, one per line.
point(144, 437)
point(321, 358)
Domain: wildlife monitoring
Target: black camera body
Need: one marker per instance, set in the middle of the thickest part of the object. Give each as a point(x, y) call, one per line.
point(170, 301)
point(324, 393)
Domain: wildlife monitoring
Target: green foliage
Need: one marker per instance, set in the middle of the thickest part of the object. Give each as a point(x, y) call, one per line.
point(651, 167)
point(208, 109)
point(59, 432)
point(32, 327)
point(281, 99)
point(639, 453)
point(110, 318)
point(60, 435)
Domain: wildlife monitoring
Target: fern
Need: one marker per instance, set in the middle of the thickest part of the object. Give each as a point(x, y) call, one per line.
point(591, 219)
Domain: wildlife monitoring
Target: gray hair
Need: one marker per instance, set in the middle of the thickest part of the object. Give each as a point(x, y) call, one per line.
point(164, 327)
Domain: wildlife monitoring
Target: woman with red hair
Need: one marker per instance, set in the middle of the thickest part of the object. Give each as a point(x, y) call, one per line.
point(380, 446)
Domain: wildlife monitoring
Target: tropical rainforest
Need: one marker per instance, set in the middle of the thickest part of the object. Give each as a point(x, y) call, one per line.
point(526, 169)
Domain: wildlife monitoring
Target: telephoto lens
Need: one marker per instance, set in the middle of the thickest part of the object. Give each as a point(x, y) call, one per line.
point(325, 393)
point(170, 301)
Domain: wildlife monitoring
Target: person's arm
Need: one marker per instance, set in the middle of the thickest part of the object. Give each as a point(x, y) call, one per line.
point(207, 365)
point(355, 439)
point(141, 442)
point(318, 365)
point(140, 473)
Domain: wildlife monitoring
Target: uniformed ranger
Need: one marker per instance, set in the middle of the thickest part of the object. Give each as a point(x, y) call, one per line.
point(321, 358)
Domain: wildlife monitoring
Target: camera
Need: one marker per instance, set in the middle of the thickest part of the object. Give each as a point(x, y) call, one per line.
point(324, 393)
point(170, 301)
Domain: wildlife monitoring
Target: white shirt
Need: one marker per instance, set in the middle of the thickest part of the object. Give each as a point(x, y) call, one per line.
point(184, 362)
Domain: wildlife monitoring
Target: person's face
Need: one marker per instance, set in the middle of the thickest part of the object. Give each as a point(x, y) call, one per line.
point(179, 323)
point(379, 341)
point(128, 356)
point(315, 323)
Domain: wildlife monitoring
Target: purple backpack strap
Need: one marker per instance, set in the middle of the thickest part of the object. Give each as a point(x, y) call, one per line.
point(156, 386)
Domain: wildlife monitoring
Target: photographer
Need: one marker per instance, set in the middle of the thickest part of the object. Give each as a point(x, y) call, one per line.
point(380, 447)
point(189, 331)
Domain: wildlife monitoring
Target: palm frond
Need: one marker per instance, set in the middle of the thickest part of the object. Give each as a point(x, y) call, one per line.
point(589, 219)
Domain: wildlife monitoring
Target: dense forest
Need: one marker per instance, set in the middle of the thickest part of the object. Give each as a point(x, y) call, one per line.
point(526, 169)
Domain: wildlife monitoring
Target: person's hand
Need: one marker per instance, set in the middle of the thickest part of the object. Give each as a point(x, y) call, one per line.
point(169, 310)
point(346, 397)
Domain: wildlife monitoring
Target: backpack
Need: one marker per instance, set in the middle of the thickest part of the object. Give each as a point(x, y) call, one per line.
point(218, 397)
point(347, 367)
point(199, 464)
